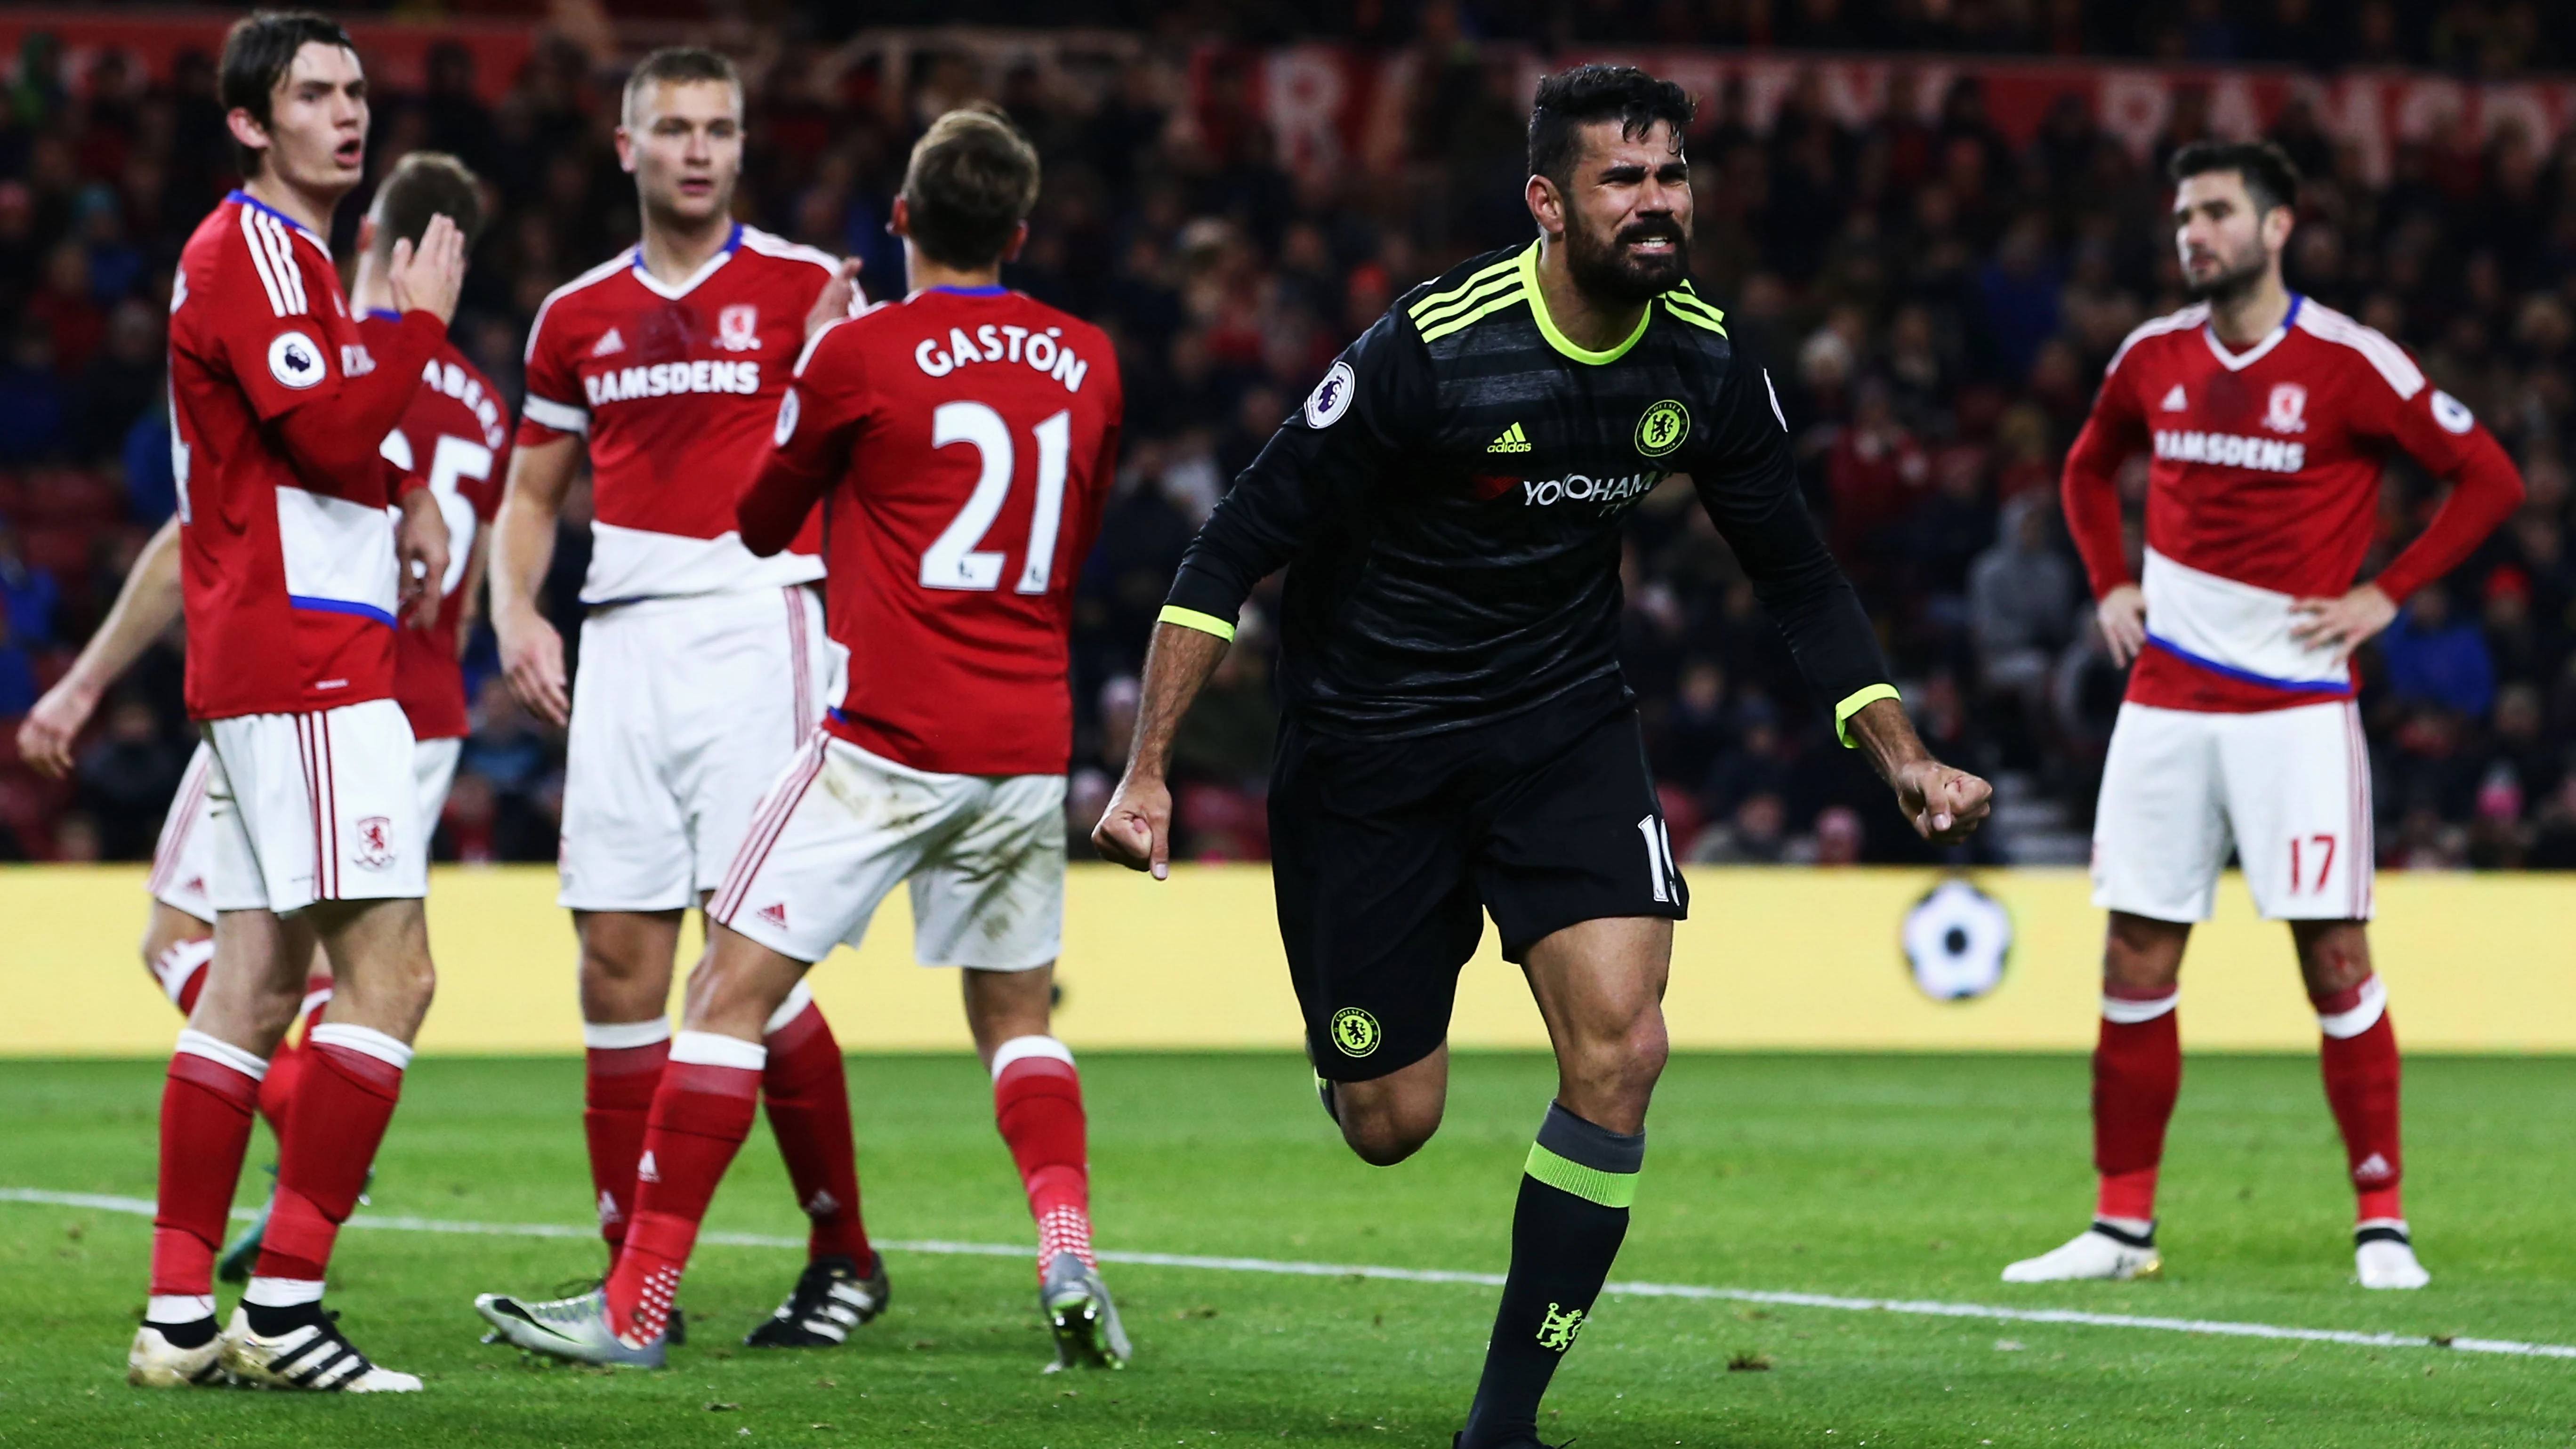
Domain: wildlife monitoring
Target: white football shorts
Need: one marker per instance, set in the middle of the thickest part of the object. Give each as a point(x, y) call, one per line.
point(313, 807)
point(2289, 789)
point(683, 711)
point(183, 860)
point(984, 855)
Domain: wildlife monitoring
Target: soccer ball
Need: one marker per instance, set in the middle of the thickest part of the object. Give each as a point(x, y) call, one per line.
point(1957, 940)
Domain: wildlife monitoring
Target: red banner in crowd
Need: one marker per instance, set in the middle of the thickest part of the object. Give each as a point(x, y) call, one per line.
point(395, 53)
point(1332, 106)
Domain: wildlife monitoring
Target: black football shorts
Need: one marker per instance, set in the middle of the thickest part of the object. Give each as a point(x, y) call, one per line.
point(1386, 856)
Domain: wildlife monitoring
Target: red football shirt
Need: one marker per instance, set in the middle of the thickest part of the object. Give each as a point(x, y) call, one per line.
point(675, 387)
point(2264, 489)
point(277, 399)
point(455, 438)
point(963, 442)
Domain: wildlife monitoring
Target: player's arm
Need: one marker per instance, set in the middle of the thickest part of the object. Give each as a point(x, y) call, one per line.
point(2090, 491)
point(145, 606)
point(1322, 459)
point(1748, 483)
point(523, 548)
point(2449, 443)
point(819, 419)
point(330, 436)
point(421, 544)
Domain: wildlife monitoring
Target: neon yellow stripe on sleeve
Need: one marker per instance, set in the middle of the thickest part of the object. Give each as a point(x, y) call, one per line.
point(1852, 705)
point(1204, 623)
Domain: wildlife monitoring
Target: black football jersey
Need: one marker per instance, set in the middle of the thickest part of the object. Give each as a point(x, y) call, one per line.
point(1448, 503)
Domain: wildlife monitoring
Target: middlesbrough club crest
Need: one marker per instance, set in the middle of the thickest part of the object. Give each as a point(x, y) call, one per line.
point(2287, 413)
point(375, 842)
point(738, 328)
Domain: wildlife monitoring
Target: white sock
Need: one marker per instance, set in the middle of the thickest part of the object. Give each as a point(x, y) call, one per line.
point(283, 1292)
point(178, 1308)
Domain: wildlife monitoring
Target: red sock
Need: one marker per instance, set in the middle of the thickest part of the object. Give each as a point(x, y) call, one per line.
point(352, 1079)
point(1037, 1102)
point(808, 1100)
point(205, 1128)
point(622, 1066)
point(701, 1113)
point(2358, 1052)
point(286, 1066)
point(181, 970)
point(2137, 1073)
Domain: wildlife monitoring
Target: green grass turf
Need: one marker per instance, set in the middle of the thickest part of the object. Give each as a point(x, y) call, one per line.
point(1871, 1176)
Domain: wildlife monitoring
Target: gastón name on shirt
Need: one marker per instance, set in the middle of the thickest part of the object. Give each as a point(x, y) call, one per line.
point(2231, 450)
point(665, 378)
point(1038, 351)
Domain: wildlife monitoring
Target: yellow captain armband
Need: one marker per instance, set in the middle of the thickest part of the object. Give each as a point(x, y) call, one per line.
point(1852, 704)
point(1211, 624)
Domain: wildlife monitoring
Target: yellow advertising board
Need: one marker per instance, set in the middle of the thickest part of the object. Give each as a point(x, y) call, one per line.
point(1771, 958)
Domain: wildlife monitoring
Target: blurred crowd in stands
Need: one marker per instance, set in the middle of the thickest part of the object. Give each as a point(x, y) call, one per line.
point(1935, 302)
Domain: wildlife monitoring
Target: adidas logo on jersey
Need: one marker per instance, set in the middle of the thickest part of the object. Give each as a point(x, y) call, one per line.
point(775, 913)
point(2227, 450)
point(609, 344)
point(1513, 440)
point(2174, 400)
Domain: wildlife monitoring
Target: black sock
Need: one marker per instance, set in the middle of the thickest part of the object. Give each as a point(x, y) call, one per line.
point(188, 1335)
point(1573, 1211)
point(272, 1322)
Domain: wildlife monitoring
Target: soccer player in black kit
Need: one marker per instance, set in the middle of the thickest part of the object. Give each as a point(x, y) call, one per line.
point(1457, 738)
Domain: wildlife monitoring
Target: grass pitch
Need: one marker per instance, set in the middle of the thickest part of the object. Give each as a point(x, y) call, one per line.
point(1879, 1176)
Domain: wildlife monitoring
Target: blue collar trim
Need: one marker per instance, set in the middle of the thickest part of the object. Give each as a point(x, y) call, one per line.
point(733, 243)
point(255, 204)
point(995, 290)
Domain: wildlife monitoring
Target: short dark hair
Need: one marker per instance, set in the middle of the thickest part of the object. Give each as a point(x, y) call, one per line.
point(1569, 99)
point(2271, 177)
point(972, 180)
point(676, 64)
point(426, 184)
point(258, 51)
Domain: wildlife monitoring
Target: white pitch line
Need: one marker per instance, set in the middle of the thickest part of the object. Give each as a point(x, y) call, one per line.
point(1918, 1307)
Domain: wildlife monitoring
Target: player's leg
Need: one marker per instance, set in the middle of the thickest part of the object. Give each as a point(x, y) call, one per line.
point(824, 863)
point(989, 897)
point(1575, 865)
point(625, 984)
point(1600, 986)
point(1377, 903)
point(761, 662)
point(276, 1091)
point(2300, 785)
point(243, 1001)
point(2358, 1054)
point(358, 886)
point(626, 878)
point(244, 1006)
point(2160, 837)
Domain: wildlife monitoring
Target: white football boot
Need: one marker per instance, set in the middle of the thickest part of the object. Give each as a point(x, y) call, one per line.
point(575, 1329)
point(1079, 1313)
point(313, 1356)
point(154, 1362)
point(2383, 1256)
point(2100, 1251)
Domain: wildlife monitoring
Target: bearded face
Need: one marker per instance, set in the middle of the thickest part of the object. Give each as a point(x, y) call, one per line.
point(1631, 261)
point(1628, 213)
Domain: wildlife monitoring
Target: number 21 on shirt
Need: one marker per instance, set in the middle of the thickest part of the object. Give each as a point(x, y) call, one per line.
point(955, 559)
